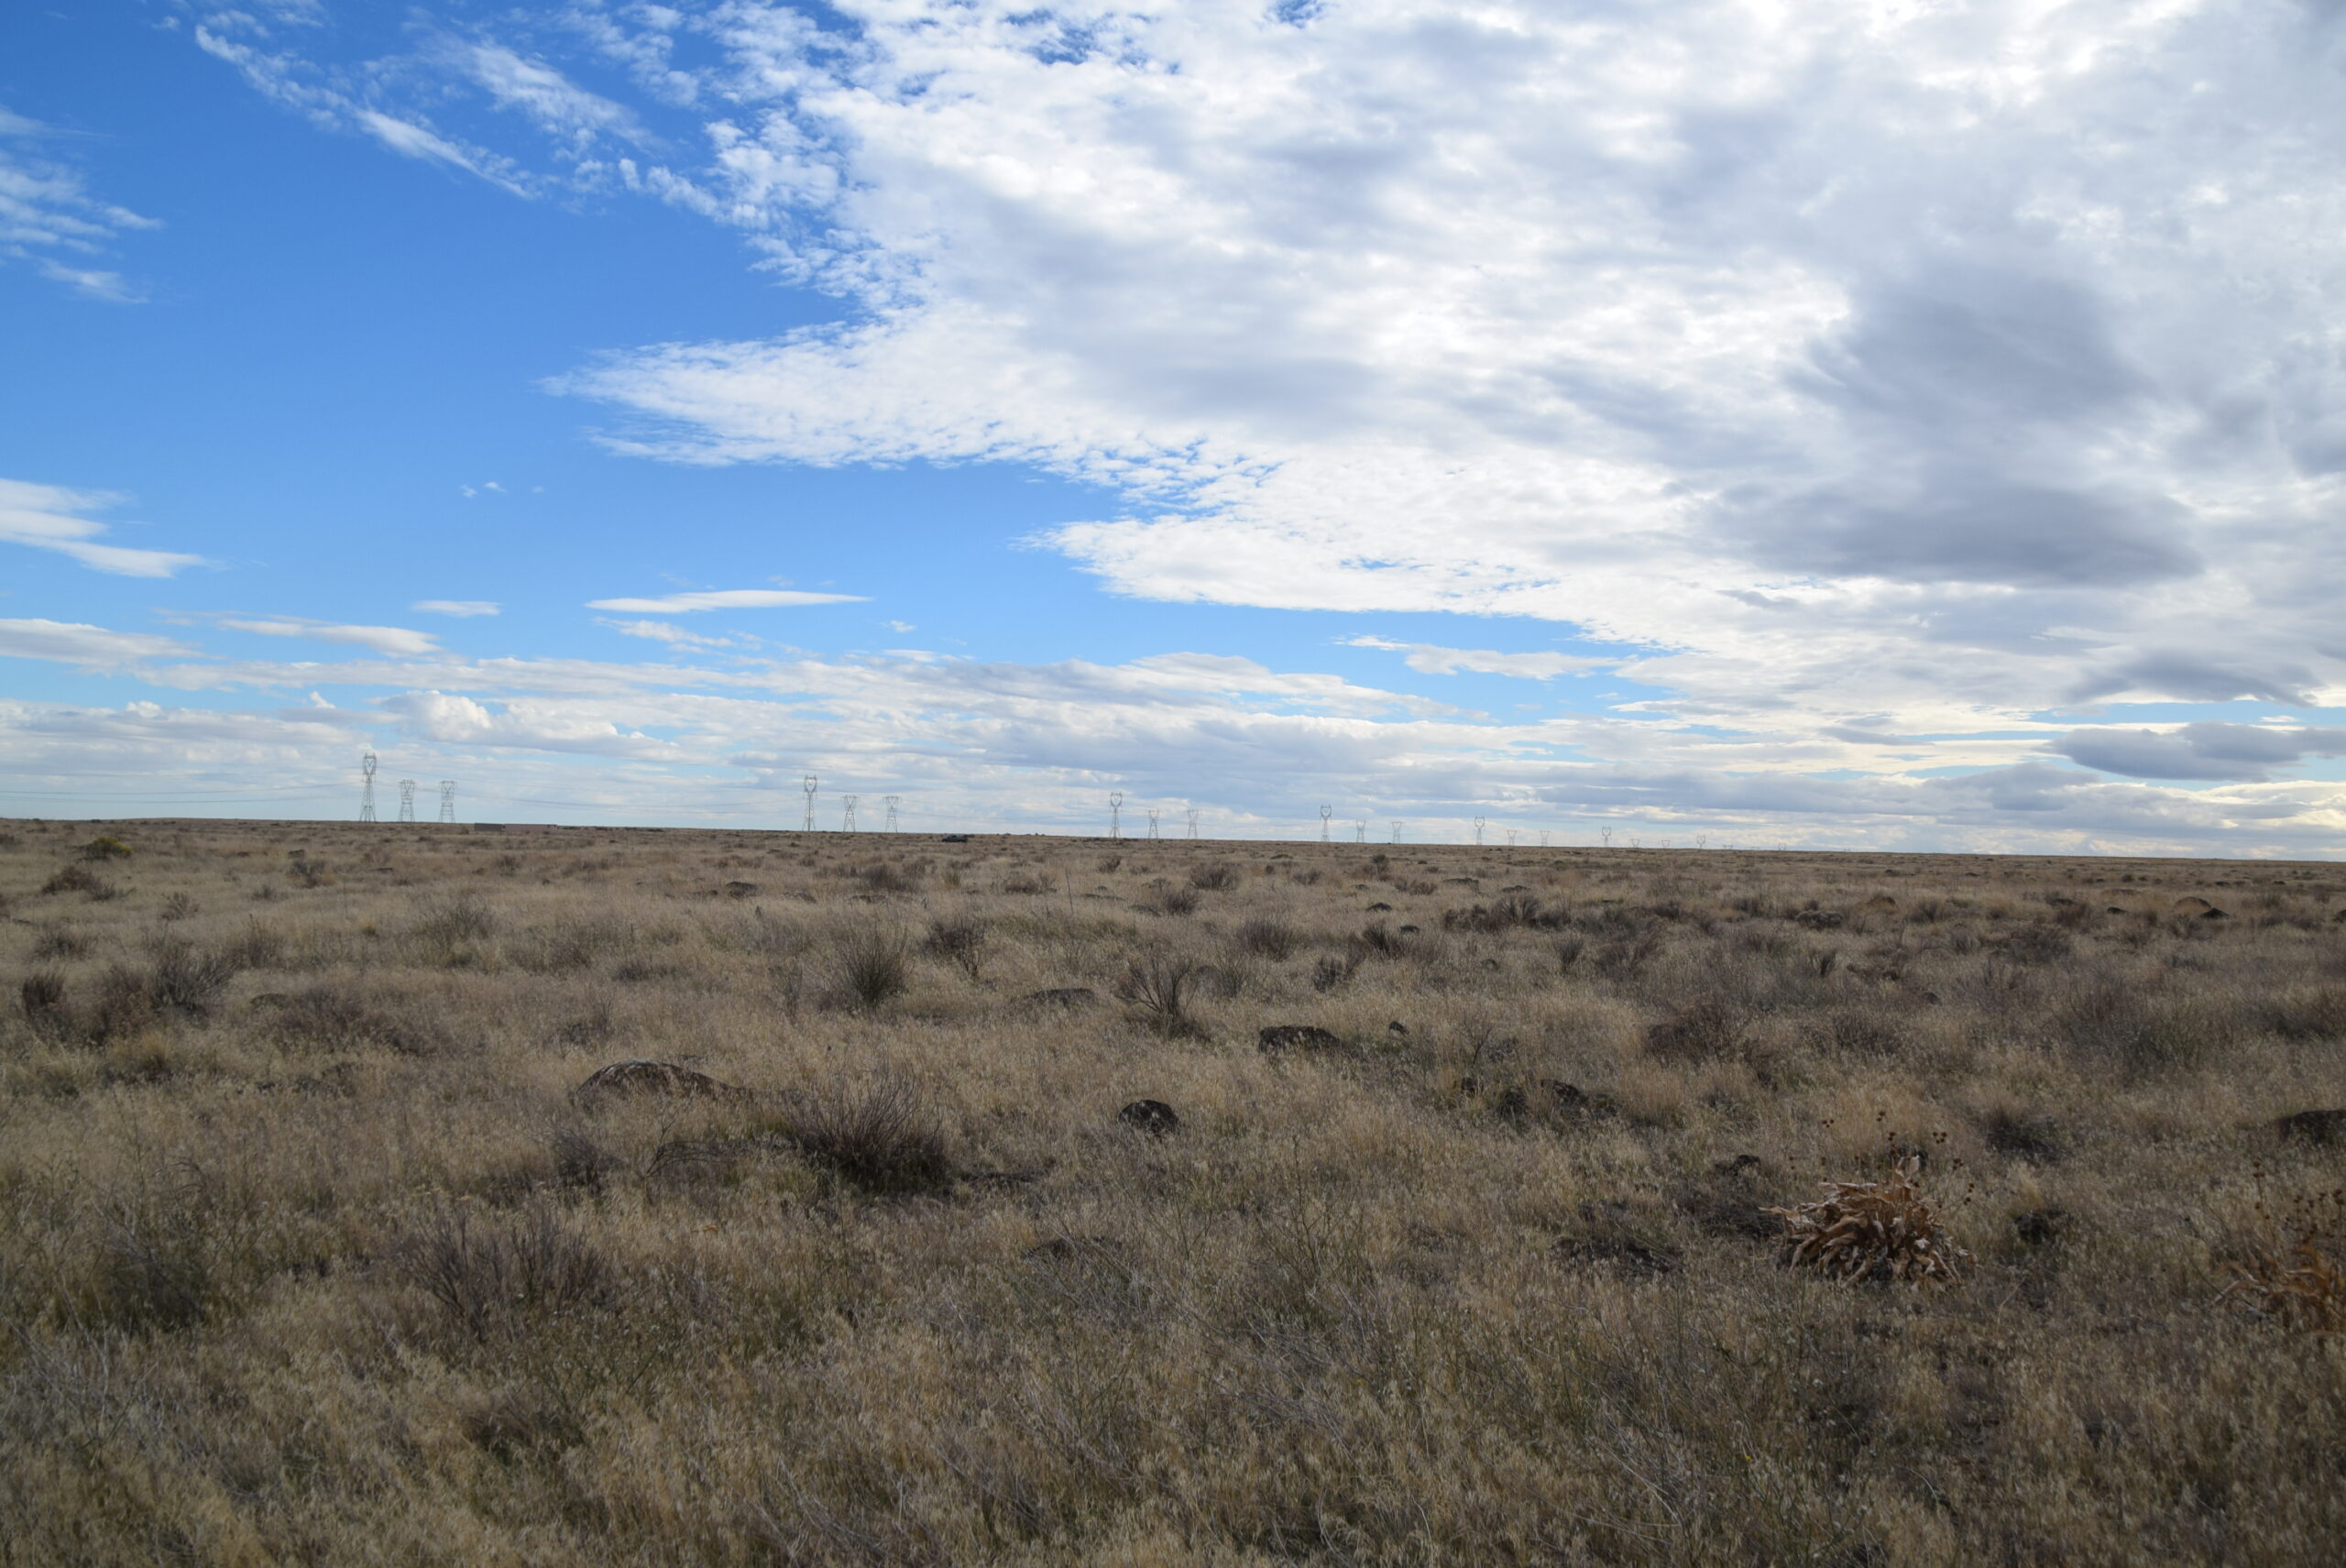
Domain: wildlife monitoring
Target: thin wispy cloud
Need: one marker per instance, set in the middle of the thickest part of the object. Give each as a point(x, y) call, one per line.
point(48, 218)
point(51, 517)
point(389, 640)
point(459, 607)
point(723, 599)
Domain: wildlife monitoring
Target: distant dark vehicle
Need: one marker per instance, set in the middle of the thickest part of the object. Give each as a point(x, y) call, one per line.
point(954, 839)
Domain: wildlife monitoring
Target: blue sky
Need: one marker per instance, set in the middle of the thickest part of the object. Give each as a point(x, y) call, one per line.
point(1854, 428)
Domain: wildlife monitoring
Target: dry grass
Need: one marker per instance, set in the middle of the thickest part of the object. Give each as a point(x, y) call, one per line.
point(963, 1218)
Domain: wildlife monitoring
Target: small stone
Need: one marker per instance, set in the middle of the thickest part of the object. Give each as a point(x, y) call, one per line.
point(1380, 909)
point(1397, 1027)
point(1151, 1116)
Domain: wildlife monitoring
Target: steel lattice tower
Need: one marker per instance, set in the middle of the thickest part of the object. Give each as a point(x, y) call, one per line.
point(367, 790)
point(808, 785)
point(1478, 832)
point(1116, 815)
point(1152, 823)
point(847, 813)
point(448, 800)
point(1193, 822)
point(1325, 813)
point(407, 800)
point(891, 800)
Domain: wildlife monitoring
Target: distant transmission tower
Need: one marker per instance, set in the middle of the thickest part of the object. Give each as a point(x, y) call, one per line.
point(1543, 837)
point(891, 800)
point(1152, 824)
point(367, 790)
point(847, 814)
point(1397, 832)
point(1116, 815)
point(807, 784)
point(1478, 832)
point(1325, 813)
point(407, 800)
point(1193, 822)
point(1360, 831)
point(448, 800)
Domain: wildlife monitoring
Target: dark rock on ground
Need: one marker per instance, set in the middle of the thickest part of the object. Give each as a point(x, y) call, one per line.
point(1397, 1027)
point(1298, 1036)
point(1151, 1116)
point(2313, 1127)
point(741, 890)
point(1626, 1256)
point(2039, 1226)
point(654, 1077)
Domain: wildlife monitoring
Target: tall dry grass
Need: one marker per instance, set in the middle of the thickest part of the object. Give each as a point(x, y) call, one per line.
point(309, 1252)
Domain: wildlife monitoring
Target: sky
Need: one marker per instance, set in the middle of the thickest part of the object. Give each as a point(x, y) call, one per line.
point(1914, 426)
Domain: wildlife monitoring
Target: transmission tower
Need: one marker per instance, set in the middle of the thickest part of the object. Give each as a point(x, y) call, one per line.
point(1360, 831)
point(1152, 823)
point(1543, 837)
point(891, 800)
point(1510, 838)
point(1397, 832)
point(1478, 832)
point(847, 814)
point(1193, 822)
point(448, 800)
point(407, 800)
point(1116, 815)
point(1325, 813)
point(807, 783)
point(367, 790)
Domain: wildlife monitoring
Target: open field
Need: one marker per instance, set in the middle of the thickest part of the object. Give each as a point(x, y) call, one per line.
point(310, 1252)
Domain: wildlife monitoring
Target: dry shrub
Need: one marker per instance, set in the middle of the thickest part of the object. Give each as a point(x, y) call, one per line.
point(1220, 876)
point(959, 939)
point(1157, 985)
point(105, 846)
point(185, 980)
point(78, 878)
point(1268, 938)
point(1872, 1230)
point(60, 941)
point(42, 994)
point(335, 1017)
point(887, 876)
point(456, 918)
point(494, 1278)
point(878, 1138)
point(875, 966)
point(1707, 1029)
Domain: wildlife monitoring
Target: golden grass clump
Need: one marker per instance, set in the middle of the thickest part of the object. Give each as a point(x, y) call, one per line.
point(1873, 1230)
point(2303, 1287)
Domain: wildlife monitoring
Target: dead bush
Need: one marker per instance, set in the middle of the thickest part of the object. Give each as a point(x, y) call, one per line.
point(494, 1278)
point(878, 1139)
point(75, 877)
point(960, 939)
point(1220, 876)
point(336, 1017)
point(185, 980)
point(1707, 1029)
point(1156, 986)
point(60, 941)
point(1268, 938)
point(1880, 1231)
point(874, 965)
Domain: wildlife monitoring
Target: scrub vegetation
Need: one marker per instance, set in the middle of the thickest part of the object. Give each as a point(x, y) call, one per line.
point(375, 1194)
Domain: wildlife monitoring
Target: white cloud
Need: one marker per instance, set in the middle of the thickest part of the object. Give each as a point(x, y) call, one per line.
point(390, 640)
point(90, 647)
point(722, 598)
point(1439, 660)
point(47, 517)
point(661, 631)
point(455, 606)
point(48, 217)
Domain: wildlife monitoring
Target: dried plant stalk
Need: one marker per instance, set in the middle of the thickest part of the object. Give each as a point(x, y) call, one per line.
point(1865, 1230)
point(2302, 1288)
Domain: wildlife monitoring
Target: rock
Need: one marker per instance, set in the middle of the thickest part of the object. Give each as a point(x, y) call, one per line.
point(1737, 1165)
point(1571, 1100)
point(1151, 1116)
point(1280, 1037)
point(1397, 1027)
point(654, 1077)
point(1380, 909)
point(741, 890)
point(1066, 996)
point(2113, 909)
point(2213, 914)
point(2039, 1226)
point(2313, 1127)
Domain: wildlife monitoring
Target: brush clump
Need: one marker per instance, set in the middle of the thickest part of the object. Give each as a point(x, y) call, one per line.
point(1884, 1229)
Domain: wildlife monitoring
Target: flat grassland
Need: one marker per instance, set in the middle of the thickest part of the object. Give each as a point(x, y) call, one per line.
point(312, 1250)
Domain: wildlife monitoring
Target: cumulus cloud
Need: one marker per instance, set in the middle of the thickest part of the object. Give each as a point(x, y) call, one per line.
point(722, 598)
point(461, 607)
point(1874, 373)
